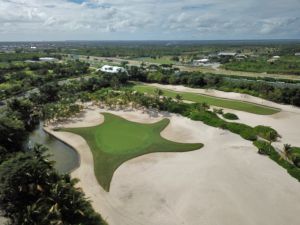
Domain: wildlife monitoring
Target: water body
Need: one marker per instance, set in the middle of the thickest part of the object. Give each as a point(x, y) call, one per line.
point(66, 158)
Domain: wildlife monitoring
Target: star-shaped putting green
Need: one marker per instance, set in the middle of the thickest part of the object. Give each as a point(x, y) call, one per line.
point(117, 140)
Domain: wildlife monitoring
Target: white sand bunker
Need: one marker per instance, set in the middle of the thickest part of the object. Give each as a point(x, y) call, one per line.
point(224, 183)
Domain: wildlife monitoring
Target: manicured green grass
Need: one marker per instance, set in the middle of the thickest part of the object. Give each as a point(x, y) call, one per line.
point(220, 102)
point(118, 140)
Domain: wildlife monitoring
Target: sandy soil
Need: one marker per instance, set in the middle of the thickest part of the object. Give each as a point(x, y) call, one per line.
point(286, 122)
point(226, 182)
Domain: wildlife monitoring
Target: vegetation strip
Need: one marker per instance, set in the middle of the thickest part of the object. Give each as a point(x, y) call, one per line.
point(220, 102)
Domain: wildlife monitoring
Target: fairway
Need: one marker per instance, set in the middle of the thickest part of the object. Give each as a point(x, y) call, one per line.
point(118, 140)
point(214, 101)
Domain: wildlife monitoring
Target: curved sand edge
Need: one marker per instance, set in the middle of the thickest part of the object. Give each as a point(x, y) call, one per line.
point(189, 188)
point(228, 95)
point(285, 122)
point(106, 205)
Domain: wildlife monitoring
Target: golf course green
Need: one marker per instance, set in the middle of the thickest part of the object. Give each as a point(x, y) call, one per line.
point(214, 101)
point(117, 140)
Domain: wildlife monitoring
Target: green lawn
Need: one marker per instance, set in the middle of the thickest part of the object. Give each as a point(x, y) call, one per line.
point(214, 101)
point(118, 140)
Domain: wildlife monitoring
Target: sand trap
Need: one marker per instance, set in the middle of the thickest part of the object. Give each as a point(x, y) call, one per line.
point(286, 122)
point(224, 183)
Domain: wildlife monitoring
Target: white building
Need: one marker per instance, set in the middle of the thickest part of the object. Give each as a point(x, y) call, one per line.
point(297, 54)
point(201, 61)
point(224, 54)
point(47, 59)
point(112, 69)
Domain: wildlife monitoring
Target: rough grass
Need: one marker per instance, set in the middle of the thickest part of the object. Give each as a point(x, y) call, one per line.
point(158, 60)
point(118, 140)
point(214, 101)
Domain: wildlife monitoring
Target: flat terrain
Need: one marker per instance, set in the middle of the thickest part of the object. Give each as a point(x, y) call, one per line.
point(226, 182)
point(211, 100)
point(118, 140)
point(113, 60)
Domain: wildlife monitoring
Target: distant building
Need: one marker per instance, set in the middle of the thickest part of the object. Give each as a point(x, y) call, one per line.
point(276, 57)
point(228, 54)
point(297, 54)
point(47, 59)
point(200, 61)
point(240, 57)
point(112, 69)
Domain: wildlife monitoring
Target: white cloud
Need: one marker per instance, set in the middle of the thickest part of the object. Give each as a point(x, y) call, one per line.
point(148, 19)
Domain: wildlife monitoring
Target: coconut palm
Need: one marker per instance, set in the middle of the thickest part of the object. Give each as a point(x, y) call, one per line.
point(179, 97)
point(287, 150)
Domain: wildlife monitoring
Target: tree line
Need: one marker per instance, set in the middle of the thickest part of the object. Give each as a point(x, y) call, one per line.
point(274, 91)
point(31, 190)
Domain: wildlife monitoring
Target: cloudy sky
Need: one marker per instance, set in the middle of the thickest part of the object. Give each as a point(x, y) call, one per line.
point(148, 19)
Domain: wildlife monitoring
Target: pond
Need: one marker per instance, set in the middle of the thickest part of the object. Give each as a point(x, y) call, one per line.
point(66, 158)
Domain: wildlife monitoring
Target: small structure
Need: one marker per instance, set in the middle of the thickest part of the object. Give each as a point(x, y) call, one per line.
point(200, 61)
point(227, 54)
point(297, 54)
point(276, 57)
point(112, 69)
point(48, 59)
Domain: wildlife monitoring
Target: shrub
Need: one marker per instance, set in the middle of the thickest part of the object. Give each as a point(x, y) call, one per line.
point(230, 116)
point(295, 156)
point(245, 131)
point(267, 133)
point(218, 111)
point(264, 147)
point(267, 149)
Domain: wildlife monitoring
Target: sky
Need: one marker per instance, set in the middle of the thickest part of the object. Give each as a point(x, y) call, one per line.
point(55, 20)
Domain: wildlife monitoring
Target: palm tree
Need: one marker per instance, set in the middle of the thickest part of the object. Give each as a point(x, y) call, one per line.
point(287, 149)
point(272, 136)
point(158, 92)
point(179, 97)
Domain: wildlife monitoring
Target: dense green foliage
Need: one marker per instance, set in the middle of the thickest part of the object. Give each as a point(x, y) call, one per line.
point(273, 90)
point(230, 116)
point(285, 65)
point(18, 77)
point(267, 149)
point(267, 133)
point(133, 139)
point(295, 156)
point(31, 192)
point(9, 57)
point(12, 133)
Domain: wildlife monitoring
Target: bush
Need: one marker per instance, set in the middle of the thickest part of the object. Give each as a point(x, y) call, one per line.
point(264, 148)
point(218, 111)
point(230, 116)
point(245, 131)
point(267, 149)
point(295, 156)
point(267, 133)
